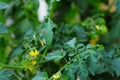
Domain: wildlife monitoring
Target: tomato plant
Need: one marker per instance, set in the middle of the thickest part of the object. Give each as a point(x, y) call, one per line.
point(59, 40)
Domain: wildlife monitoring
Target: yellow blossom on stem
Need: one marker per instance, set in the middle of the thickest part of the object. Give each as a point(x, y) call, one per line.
point(97, 27)
point(42, 43)
point(34, 53)
point(30, 68)
point(33, 62)
point(93, 41)
point(56, 76)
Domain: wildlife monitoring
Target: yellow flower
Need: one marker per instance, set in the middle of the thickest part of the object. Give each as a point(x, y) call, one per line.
point(97, 27)
point(56, 76)
point(30, 68)
point(42, 43)
point(33, 62)
point(34, 53)
point(93, 41)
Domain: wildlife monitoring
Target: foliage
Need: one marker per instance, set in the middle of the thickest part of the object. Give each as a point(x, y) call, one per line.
point(79, 39)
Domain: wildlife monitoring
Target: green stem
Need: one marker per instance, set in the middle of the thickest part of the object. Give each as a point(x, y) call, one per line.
point(43, 61)
point(43, 56)
point(52, 5)
point(65, 59)
point(12, 67)
point(64, 66)
point(77, 54)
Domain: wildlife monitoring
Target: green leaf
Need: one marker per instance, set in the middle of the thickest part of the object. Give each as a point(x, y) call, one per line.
point(107, 62)
point(80, 32)
point(48, 32)
point(89, 46)
point(3, 29)
point(69, 70)
point(79, 45)
point(95, 66)
point(71, 43)
point(116, 66)
point(55, 55)
point(100, 47)
point(85, 55)
point(71, 54)
point(77, 68)
point(7, 75)
point(17, 51)
point(3, 5)
point(23, 27)
point(92, 65)
point(83, 72)
point(41, 76)
point(65, 77)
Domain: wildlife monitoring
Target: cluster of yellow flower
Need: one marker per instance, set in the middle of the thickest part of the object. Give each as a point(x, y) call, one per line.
point(30, 61)
point(56, 76)
point(33, 61)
